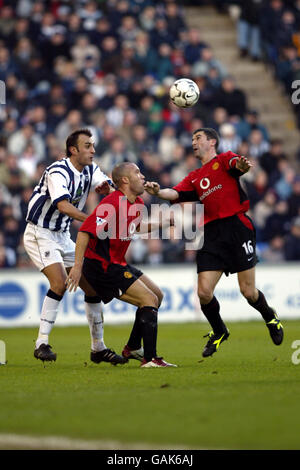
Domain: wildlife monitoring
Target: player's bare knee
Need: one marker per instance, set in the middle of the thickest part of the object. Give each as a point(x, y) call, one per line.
point(58, 287)
point(247, 290)
point(149, 300)
point(205, 295)
point(160, 297)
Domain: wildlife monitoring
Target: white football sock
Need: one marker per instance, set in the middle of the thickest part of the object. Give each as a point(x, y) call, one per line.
point(47, 319)
point(95, 319)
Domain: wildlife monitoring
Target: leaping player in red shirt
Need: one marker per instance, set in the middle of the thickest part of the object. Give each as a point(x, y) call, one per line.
point(101, 245)
point(229, 234)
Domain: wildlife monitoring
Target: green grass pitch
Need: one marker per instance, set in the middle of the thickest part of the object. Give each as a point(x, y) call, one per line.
point(244, 397)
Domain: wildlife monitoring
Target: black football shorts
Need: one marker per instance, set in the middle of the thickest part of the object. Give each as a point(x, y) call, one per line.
point(110, 284)
point(229, 245)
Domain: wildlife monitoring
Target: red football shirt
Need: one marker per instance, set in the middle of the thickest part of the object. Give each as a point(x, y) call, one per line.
point(111, 227)
point(216, 185)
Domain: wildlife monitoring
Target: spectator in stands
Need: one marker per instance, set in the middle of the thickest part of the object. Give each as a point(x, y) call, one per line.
point(166, 144)
point(83, 49)
point(249, 123)
point(287, 29)
point(262, 210)
point(7, 64)
point(219, 117)
point(7, 21)
point(294, 198)
point(229, 140)
point(155, 251)
point(257, 144)
point(287, 66)
point(160, 33)
point(174, 19)
point(206, 62)
point(274, 252)
point(270, 22)
point(147, 18)
point(117, 153)
point(145, 54)
point(164, 66)
point(72, 121)
point(257, 190)
point(74, 28)
point(109, 54)
point(269, 160)
point(278, 222)
point(249, 36)
point(284, 186)
point(128, 29)
point(231, 98)
point(19, 140)
point(8, 257)
point(115, 114)
point(56, 46)
point(193, 46)
point(173, 249)
point(292, 242)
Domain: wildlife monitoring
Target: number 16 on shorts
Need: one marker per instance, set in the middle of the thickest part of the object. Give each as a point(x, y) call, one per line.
point(248, 249)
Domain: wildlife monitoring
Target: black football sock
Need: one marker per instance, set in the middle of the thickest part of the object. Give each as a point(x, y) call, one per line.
point(135, 338)
point(212, 314)
point(263, 308)
point(148, 322)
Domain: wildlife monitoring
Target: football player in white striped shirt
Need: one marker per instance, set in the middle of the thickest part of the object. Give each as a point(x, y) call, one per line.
point(58, 199)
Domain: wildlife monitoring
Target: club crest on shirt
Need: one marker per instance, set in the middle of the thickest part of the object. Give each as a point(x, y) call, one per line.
point(100, 221)
point(128, 275)
point(215, 166)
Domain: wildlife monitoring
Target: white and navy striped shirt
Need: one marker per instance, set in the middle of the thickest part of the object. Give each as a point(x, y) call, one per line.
point(62, 180)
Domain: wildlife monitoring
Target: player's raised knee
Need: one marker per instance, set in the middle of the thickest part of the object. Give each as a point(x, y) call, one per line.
point(149, 300)
point(160, 297)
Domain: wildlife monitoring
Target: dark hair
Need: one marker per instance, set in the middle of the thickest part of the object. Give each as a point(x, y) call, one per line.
point(210, 134)
point(72, 140)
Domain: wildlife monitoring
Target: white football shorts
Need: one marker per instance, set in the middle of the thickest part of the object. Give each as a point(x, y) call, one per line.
point(46, 247)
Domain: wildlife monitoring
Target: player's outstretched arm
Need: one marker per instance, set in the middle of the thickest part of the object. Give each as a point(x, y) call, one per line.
point(74, 276)
point(67, 208)
point(152, 225)
point(167, 194)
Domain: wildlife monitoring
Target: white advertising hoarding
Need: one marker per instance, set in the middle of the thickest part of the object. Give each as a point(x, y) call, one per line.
point(22, 294)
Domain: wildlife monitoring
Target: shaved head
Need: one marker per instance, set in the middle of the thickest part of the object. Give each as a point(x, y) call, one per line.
point(123, 169)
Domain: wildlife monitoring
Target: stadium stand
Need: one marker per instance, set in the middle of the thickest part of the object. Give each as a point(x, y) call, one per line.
point(108, 65)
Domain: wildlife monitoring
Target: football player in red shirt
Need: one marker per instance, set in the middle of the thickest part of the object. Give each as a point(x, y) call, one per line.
point(229, 234)
point(101, 246)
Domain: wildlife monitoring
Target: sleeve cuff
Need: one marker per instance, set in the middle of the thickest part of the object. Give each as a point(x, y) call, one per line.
point(61, 198)
point(86, 231)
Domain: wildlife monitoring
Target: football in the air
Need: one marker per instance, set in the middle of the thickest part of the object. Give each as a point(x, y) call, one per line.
point(184, 93)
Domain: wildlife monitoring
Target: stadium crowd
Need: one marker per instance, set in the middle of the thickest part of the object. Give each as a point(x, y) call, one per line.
point(108, 65)
point(270, 31)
